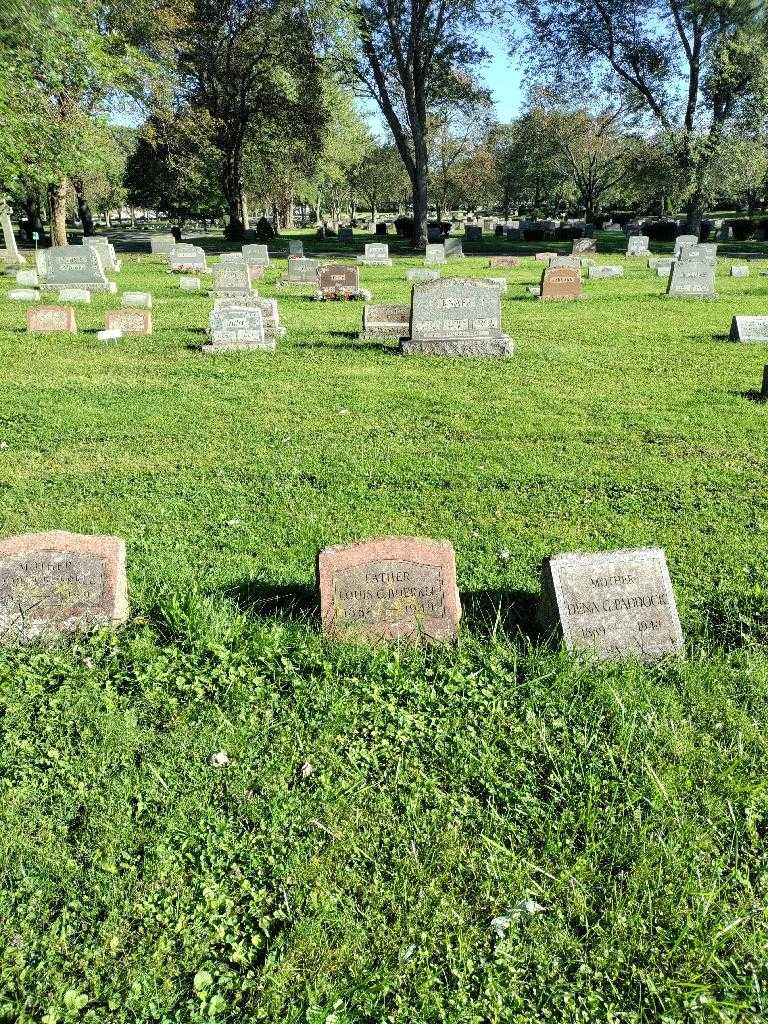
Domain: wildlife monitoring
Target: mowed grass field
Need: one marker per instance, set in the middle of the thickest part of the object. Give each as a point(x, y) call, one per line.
point(381, 808)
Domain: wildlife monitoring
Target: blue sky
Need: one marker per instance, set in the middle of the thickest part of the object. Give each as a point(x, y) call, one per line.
point(503, 79)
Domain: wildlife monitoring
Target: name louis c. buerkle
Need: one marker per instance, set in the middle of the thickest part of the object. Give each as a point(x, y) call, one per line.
point(390, 588)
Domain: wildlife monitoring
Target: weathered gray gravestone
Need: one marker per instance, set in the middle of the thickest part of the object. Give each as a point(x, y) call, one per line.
point(236, 329)
point(453, 248)
point(23, 295)
point(573, 262)
point(376, 255)
point(187, 259)
point(749, 328)
point(417, 276)
point(385, 321)
point(137, 300)
point(389, 588)
point(107, 252)
point(739, 271)
point(615, 603)
point(161, 245)
point(456, 317)
point(256, 255)
point(605, 270)
point(637, 245)
point(702, 253)
point(60, 582)
point(302, 270)
point(295, 247)
point(583, 245)
point(270, 314)
point(231, 280)
point(435, 253)
point(691, 279)
point(683, 241)
point(78, 265)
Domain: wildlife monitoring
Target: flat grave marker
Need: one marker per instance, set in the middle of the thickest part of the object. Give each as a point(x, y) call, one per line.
point(385, 321)
point(130, 321)
point(24, 295)
point(51, 320)
point(81, 295)
point(137, 300)
point(749, 328)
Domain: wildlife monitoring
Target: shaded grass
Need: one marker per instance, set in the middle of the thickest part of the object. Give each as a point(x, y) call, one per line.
point(447, 787)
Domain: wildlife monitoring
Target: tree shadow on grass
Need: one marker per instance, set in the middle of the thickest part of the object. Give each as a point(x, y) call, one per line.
point(752, 395)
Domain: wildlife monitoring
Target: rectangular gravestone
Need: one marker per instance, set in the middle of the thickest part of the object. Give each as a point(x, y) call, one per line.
point(24, 295)
point(189, 284)
point(345, 234)
point(435, 253)
point(187, 259)
point(419, 276)
point(501, 283)
point(231, 257)
point(388, 321)
point(106, 250)
point(749, 328)
point(338, 282)
point(572, 262)
point(473, 233)
point(661, 263)
point(295, 247)
point(231, 280)
point(256, 255)
point(27, 278)
point(739, 271)
point(683, 241)
point(270, 314)
point(130, 321)
point(504, 262)
point(161, 245)
point(546, 257)
point(389, 588)
point(302, 270)
point(376, 255)
point(456, 317)
point(637, 245)
point(690, 279)
point(606, 270)
point(701, 253)
point(581, 246)
point(453, 248)
point(60, 582)
point(560, 283)
point(136, 300)
point(236, 329)
point(78, 265)
point(51, 320)
point(615, 603)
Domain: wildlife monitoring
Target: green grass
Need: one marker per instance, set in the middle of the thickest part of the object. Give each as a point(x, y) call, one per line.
point(139, 883)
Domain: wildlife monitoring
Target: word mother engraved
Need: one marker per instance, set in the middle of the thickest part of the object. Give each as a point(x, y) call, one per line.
point(60, 582)
point(616, 603)
point(390, 588)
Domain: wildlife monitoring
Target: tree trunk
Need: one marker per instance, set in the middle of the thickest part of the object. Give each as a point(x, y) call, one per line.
point(133, 217)
point(695, 213)
point(34, 215)
point(244, 208)
point(107, 218)
point(233, 193)
point(420, 201)
point(83, 209)
point(57, 197)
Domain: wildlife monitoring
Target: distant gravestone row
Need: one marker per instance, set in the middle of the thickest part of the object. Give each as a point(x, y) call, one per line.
point(611, 604)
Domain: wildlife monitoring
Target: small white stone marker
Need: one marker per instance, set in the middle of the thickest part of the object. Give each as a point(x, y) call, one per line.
point(136, 300)
point(24, 295)
point(75, 295)
point(27, 278)
point(735, 272)
point(109, 335)
point(189, 284)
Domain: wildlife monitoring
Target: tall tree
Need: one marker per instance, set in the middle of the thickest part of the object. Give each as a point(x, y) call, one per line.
point(412, 56)
point(690, 65)
point(252, 65)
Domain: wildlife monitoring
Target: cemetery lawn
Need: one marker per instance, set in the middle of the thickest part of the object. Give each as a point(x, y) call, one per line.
point(380, 808)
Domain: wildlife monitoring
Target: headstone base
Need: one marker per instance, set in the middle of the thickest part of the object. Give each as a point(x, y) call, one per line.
point(494, 348)
point(219, 347)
